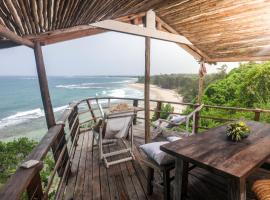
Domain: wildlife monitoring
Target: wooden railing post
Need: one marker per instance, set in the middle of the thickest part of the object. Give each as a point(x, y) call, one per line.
point(34, 189)
point(257, 115)
point(91, 111)
point(135, 104)
point(197, 119)
point(158, 109)
point(73, 122)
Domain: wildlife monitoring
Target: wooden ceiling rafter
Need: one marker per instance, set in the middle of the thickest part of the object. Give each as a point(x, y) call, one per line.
point(6, 33)
point(217, 29)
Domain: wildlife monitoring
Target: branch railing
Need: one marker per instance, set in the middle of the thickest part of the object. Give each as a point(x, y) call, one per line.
point(62, 140)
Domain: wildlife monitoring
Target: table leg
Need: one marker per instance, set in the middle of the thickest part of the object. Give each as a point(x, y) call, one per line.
point(236, 189)
point(181, 179)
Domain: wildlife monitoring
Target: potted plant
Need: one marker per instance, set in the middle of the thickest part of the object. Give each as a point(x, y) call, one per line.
point(237, 131)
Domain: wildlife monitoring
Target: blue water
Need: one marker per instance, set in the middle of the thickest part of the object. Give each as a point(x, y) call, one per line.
point(21, 110)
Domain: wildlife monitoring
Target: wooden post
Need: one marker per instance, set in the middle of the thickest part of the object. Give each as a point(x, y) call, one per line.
point(135, 104)
point(91, 111)
point(147, 90)
point(202, 72)
point(150, 23)
point(257, 115)
point(34, 190)
point(197, 119)
point(43, 84)
point(158, 109)
point(47, 105)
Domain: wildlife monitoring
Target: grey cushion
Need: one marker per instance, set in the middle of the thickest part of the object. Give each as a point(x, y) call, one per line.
point(152, 150)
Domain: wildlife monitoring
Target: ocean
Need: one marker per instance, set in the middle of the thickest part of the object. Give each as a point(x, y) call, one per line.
point(21, 111)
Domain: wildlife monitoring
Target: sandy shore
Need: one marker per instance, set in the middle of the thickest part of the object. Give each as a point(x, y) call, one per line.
point(162, 94)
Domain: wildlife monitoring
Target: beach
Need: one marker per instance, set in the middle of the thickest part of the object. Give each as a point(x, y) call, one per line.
point(162, 94)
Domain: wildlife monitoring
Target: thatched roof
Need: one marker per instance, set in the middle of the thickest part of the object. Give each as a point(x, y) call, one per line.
point(220, 30)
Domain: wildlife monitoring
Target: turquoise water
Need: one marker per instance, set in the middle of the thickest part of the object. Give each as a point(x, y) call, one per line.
point(21, 112)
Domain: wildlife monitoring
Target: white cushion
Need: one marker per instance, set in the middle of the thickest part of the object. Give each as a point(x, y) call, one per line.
point(177, 118)
point(173, 138)
point(152, 150)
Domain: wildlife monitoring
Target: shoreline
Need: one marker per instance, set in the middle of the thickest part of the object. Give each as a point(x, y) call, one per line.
point(162, 94)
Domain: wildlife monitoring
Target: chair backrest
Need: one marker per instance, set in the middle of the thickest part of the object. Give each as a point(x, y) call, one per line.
point(118, 125)
point(193, 115)
point(100, 109)
point(115, 124)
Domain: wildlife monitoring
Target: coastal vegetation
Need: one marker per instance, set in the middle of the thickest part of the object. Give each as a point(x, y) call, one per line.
point(14, 152)
point(246, 86)
point(185, 84)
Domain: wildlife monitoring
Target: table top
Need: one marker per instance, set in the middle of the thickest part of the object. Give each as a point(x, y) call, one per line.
point(214, 152)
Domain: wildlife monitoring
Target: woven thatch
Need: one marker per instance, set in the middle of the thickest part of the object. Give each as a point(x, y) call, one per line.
point(222, 30)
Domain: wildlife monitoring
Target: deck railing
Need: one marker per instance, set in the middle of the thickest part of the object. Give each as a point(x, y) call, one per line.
point(61, 141)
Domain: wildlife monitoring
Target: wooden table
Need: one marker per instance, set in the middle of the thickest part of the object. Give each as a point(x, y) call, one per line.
point(212, 151)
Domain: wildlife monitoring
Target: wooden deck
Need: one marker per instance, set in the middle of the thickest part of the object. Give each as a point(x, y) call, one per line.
point(91, 180)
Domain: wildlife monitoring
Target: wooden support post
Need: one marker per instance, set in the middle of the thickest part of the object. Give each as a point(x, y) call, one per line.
point(150, 23)
point(43, 84)
point(147, 90)
point(197, 120)
point(47, 105)
point(34, 190)
point(135, 104)
point(158, 109)
point(202, 72)
point(91, 111)
point(257, 115)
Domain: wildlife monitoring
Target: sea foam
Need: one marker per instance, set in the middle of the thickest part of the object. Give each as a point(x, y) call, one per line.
point(24, 116)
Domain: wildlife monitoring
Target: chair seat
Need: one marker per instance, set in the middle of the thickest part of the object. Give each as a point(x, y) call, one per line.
point(262, 189)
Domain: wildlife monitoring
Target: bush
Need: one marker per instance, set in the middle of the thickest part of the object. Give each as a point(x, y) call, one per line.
point(12, 154)
point(166, 110)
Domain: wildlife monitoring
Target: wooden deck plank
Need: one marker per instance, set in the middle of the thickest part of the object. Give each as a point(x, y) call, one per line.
point(138, 187)
point(120, 183)
point(87, 191)
point(104, 183)
point(111, 172)
point(74, 170)
point(96, 176)
point(78, 193)
point(126, 176)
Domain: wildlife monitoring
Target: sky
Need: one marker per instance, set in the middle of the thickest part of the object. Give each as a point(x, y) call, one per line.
point(108, 53)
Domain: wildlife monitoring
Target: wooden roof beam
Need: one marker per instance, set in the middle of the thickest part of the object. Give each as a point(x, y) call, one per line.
point(191, 49)
point(239, 59)
point(4, 32)
point(121, 27)
point(62, 35)
point(8, 44)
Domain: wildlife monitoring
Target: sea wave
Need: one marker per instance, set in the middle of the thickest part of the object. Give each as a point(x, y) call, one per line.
point(117, 93)
point(24, 116)
point(92, 85)
point(77, 86)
